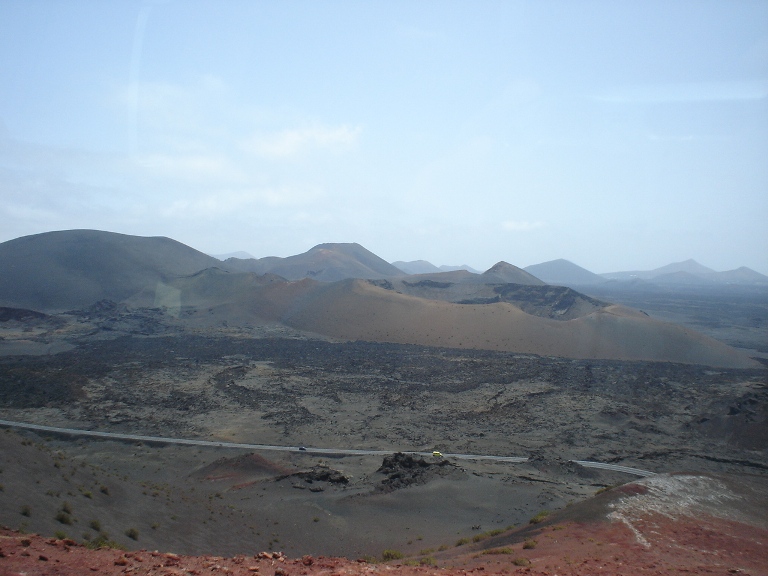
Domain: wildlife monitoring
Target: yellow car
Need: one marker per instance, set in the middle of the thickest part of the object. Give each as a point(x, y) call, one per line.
point(437, 454)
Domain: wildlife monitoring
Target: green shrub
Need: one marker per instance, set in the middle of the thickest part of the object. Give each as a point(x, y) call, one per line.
point(63, 517)
point(60, 535)
point(529, 544)
point(462, 541)
point(391, 555)
point(95, 524)
point(103, 541)
point(539, 517)
point(504, 550)
point(521, 562)
point(132, 533)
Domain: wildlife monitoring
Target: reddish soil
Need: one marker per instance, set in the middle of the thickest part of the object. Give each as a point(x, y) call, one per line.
point(652, 543)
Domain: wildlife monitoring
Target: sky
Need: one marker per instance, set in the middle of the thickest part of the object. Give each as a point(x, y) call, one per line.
point(617, 135)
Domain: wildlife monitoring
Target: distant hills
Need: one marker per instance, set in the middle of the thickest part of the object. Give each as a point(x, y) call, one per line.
point(564, 273)
point(345, 291)
point(687, 273)
point(324, 262)
point(424, 267)
point(690, 272)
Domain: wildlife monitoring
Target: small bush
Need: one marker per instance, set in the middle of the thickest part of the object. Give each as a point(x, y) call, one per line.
point(529, 544)
point(103, 541)
point(428, 561)
point(132, 533)
point(66, 507)
point(504, 550)
point(443, 547)
point(104, 490)
point(521, 562)
point(95, 524)
point(426, 551)
point(539, 517)
point(606, 489)
point(64, 518)
point(388, 555)
point(60, 535)
point(462, 541)
point(26, 511)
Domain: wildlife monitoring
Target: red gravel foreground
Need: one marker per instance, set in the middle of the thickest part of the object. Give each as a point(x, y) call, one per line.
point(667, 524)
point(705, 546)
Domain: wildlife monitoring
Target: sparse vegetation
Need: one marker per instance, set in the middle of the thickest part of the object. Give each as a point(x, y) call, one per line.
point(462, 541)
point(606, 488)
point(505, 550)
point(388, 555)
point(103, 541)
point(26, 511)
point(540, 517)
point(529, 544)
point(520, 561)
point(95, 525)
point(64, 518)
point(132, 533)
point(60, 535)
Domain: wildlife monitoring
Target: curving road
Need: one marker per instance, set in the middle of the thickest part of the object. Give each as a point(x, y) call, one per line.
point(308, 450)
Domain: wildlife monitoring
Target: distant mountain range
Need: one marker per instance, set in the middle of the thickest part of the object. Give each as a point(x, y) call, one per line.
point(343, 291)
point(424, 267)
point(689, 272)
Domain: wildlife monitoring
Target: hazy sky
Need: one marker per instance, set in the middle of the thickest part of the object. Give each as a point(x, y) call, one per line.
point(618, 135)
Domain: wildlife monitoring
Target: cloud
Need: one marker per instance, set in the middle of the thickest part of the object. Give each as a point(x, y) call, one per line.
point(292, 142)
point(521, 225)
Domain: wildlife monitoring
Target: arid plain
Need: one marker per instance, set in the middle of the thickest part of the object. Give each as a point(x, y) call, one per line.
point(199, 373)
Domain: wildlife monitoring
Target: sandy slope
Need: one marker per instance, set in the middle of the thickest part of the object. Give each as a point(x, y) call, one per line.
point(357, 310)
point(361, 310)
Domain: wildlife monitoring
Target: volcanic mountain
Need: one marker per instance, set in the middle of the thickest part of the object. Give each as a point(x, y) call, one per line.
point(564, 273)
point(75, 268)
point(325, 262)
point(504, 308)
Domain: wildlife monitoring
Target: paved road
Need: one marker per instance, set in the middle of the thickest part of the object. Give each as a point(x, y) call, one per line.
point(614, 467)
point(307, 450)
